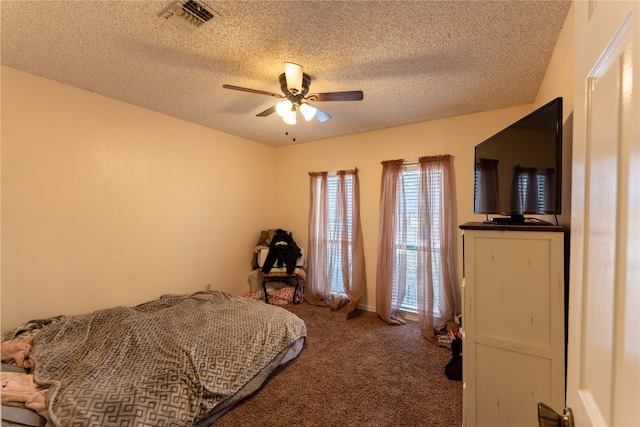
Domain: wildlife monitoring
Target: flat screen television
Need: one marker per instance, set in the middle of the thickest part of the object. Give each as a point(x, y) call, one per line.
point(518, 170)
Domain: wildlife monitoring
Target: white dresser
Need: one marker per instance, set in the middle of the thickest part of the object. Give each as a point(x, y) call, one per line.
point(513, 322)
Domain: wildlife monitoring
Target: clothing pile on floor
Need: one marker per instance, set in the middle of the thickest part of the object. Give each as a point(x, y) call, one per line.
point(282, 296)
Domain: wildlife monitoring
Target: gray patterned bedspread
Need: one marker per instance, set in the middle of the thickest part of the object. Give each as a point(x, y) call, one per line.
point(175, 361)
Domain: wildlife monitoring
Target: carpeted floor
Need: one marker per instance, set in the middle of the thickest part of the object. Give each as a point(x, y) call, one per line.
point(360, 372)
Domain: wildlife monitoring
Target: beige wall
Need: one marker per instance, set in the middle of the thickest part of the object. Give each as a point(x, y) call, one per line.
point(104, 203)
point(558, 81)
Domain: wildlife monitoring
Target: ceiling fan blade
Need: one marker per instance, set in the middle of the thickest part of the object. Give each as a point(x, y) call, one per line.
point(353, 95)
point(293, 73)
point(259, 92)
point(321, 116)
point(267, 112)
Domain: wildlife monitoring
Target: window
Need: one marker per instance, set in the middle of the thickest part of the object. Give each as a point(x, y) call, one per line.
point(408, 252)
point(535, 190)
point(334, 243)
point(336, 274)
point(416, 262)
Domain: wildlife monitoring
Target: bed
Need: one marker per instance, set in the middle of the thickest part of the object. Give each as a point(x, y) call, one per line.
point(176, 361)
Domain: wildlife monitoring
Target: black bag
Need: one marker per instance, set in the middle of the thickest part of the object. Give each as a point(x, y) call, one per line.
point(453, 370)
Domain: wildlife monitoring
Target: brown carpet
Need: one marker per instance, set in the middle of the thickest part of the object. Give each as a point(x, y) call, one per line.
point(360, 372)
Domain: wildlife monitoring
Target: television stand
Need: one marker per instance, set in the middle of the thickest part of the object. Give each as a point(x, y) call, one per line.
point(513, 274)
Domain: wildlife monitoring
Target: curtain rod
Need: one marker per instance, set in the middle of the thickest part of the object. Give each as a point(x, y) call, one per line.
point(414, 163)
point(354, 171)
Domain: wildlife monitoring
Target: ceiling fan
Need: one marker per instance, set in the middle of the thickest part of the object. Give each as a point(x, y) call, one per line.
point(294, 84)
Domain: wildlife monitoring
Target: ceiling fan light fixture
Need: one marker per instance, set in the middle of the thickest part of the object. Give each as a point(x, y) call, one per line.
point(293, 74)
point(308, 111)
point(290, 117)
point(294, 85)
point(283, 108)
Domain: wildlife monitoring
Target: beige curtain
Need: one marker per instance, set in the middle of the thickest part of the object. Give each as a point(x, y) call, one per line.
point(487, 186)
point(449, 295)
point(318, 283)
point(550, 191)
point(524, 190)
point(434, 173)
point(391, 231)
point(335, 248)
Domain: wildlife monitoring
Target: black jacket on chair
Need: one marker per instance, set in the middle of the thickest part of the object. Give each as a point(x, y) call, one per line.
point(282, 250)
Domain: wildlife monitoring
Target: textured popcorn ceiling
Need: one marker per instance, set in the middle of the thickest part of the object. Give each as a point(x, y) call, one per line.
point(414, 60)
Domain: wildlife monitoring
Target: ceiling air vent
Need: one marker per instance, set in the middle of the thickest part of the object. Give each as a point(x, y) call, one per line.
point(189, 15)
